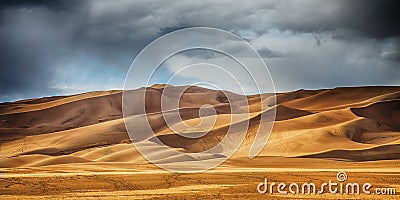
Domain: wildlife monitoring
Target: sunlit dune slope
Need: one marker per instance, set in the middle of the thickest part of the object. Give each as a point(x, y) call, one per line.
point(356, 124)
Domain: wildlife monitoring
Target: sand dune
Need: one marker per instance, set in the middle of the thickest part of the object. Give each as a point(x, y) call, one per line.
point(386, 112)
point(355, 124)
point(340, 98)
point(387, 152)
point(48, 102)
point(78, 147)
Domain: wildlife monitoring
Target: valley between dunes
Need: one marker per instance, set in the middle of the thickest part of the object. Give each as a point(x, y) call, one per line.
point(78, 147)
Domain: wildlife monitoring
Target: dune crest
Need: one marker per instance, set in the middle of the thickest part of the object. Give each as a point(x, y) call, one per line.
point(357, 124)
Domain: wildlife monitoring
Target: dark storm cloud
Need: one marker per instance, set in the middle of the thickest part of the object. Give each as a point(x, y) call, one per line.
point(391, 55)
point(370, 18)
point(268, 53)
point(41, 38)
point(25, 52)
point(375, 18)
point(56, 4)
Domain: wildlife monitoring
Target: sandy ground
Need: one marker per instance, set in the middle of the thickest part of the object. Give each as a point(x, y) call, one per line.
point(233, 179)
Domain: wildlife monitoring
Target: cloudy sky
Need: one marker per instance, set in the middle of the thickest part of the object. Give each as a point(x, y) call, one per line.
point(64, 47)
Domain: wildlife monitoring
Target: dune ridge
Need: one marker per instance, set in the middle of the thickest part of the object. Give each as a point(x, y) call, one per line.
point(353, 124)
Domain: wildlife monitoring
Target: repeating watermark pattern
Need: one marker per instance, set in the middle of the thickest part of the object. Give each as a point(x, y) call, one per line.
point(332, 187)
point(250, 76)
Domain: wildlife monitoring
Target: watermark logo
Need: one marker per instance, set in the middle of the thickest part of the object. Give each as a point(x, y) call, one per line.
point(229, 62)
point(341, 176)
point(332, 187)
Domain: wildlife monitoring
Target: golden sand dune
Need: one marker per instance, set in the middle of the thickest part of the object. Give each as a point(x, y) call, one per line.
point(78, 147)
point(48, 102)
point(342, 98)
point(383, 112)
point(356, 124)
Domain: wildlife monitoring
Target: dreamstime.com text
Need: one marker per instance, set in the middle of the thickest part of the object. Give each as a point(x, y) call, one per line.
point(333, 187)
